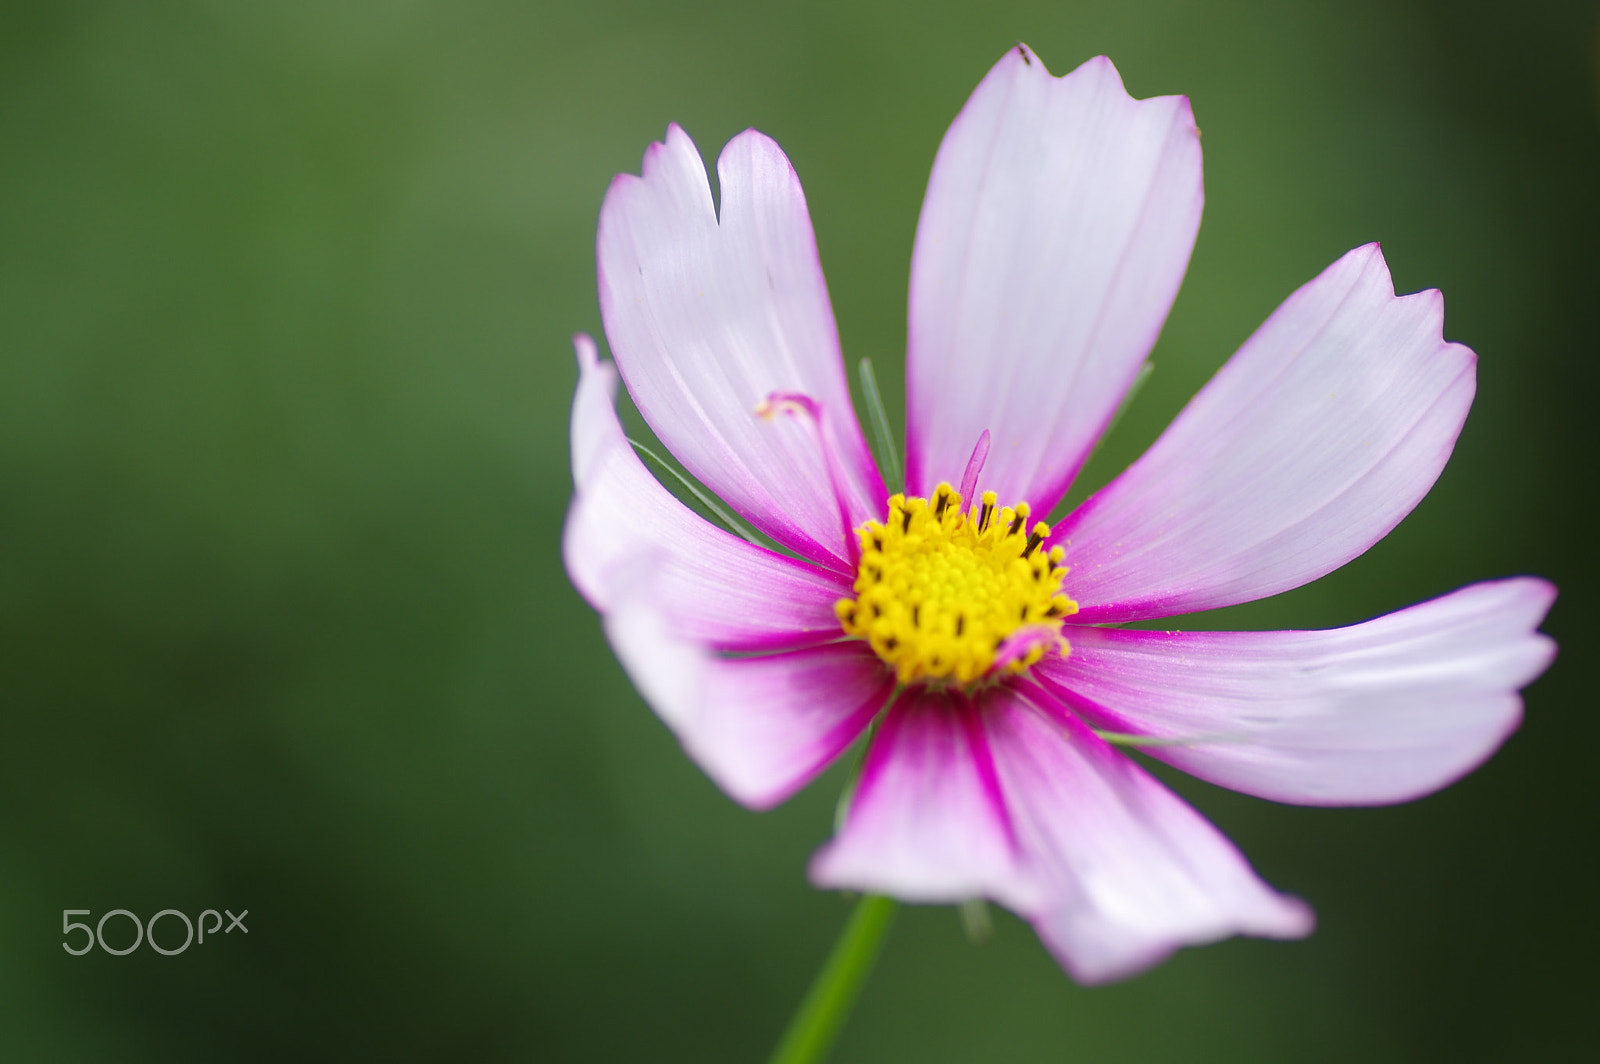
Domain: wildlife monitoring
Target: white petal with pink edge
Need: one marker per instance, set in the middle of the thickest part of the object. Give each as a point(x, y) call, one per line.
point(927, 822)
point(1057, 226)
point(706, 318)
point(1315, 439)
point(1379, 712)
point(760, 727)
point(716, 588)
point(1127, 871)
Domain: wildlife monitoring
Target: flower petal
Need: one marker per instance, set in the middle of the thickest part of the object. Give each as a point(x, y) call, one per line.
point(1057, 226)
point(1378, 712)
point(760, 727)
point(926, 822)
point(1128, 871)
point(707, 318)
point(1316, 438)
point(719, 589)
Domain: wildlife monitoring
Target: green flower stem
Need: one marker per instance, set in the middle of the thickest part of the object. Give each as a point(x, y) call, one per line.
point(827, 1004)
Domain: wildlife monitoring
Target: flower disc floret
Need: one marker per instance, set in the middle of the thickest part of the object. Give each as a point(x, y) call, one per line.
point(946, 594)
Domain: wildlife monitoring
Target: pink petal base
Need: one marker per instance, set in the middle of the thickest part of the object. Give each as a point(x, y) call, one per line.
point(761, 727)
point(1014, 799)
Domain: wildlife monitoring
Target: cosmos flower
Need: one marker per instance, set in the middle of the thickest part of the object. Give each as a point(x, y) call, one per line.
point(975, 641)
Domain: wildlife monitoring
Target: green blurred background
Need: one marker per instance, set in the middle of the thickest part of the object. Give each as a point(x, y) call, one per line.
point(285, 298)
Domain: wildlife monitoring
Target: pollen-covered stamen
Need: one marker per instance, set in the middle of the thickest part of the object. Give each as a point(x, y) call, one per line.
point(957, 595)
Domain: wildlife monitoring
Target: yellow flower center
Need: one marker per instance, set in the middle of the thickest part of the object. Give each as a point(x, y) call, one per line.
point(941, 594)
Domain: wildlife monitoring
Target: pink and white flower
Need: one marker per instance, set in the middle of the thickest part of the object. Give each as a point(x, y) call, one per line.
point(1058, 223)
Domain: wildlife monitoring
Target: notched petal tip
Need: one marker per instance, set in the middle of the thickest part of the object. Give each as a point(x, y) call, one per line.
point(671, 180)
point(1427, 305)
point(1021, 61)
point(1020, 58)
point(674, 140)
point(1068, 178)
point(706, 308)
point(1320, 434)
point(1530, 599)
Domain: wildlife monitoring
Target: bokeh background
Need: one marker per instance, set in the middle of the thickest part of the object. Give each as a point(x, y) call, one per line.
point(284, 378)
